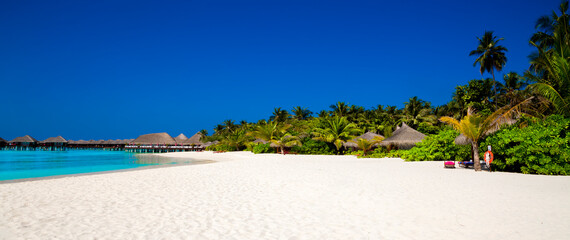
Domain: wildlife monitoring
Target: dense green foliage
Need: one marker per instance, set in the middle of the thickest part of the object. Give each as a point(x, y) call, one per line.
point(542, 147)
point(262, 148)
point(312, 147)
point(438, 147)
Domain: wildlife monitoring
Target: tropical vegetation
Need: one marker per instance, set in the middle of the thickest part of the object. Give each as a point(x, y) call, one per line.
point(524, 116)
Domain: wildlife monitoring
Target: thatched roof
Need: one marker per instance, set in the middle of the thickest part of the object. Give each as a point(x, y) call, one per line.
point(58, 139)
point(462, 140)
point(404, 137)
point(155, 138)
point(24, 139)
point(180, 138)
point(368, 136)
point(259, 140)
point(207, 144)
point(194, 140)
point(2, 140)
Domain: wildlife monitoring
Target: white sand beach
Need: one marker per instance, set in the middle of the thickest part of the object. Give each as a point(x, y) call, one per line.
point(270, 196)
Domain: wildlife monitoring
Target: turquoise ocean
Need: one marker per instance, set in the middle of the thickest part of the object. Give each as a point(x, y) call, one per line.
point(33, 164)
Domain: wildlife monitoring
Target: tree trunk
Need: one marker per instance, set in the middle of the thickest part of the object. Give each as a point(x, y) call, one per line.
point(282, 150)
point(476, 163)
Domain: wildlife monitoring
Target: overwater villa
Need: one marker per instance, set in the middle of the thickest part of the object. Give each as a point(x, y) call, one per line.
point(23, 143)
point(54, 144)
point(163, 142)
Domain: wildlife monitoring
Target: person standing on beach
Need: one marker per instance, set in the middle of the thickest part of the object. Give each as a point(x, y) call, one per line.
point(488, 157)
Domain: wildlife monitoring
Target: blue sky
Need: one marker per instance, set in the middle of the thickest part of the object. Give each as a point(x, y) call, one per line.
point(118, 69)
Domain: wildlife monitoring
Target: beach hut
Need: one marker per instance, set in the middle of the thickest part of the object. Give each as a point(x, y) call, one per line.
point(23, 143)
point(404, 137)
point(180, 139)
point(54, 143)
point(368, 136)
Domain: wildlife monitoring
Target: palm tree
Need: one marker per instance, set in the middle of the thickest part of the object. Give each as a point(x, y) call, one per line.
point(552, 63)
point(336, 130)
point(276, 133)
point(301, 113)
point(279, 115)
point(475, 126)
point(491, 55)
point(417, 111)
point(285, 140)
point(340, 109)
point(366, 145)
point(555, 87)
point(204, 132)
point(236, 138)
point(265, 131)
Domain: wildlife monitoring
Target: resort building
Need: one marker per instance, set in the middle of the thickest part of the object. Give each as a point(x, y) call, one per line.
point(163, 142)
point(54, 144)
point(23, 143)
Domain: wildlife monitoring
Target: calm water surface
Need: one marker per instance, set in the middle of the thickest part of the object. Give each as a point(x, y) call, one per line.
point(32, 164)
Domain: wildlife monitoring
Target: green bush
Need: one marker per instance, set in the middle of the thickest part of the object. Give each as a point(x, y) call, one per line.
point(438, 147)
point(262, 148)
point(310, 146)
point(541, 147)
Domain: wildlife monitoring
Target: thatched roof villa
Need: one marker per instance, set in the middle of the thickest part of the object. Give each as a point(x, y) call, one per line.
point(194, 140)
point(55, 140)
point(180, 139)
point(155, 139)
point(404, 137)
point(25, 140)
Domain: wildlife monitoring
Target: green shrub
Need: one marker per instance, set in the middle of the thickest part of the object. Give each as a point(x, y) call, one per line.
point(310, 146)
point(542, 147)
point(438, 147)
point(262, 148)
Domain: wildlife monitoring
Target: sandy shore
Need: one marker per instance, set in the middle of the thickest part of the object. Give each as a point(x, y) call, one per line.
point(267, 196)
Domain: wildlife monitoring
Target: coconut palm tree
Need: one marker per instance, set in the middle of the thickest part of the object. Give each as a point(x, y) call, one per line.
point(301, 113)
point(555, 87)
point(286, 140)
point(204, 132)
point(336, 130)
point(279, 115)
point(490, 55)
point(366, 145)
point(475, 126)
point(551, 65)
point(265, 131)
point(276, 133)
point(340, 109)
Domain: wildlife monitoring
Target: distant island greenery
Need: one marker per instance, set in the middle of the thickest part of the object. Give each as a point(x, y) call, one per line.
point(525, 117)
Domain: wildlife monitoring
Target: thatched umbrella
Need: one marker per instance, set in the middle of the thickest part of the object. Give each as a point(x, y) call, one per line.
point(58, 139)
point(259, 140)
point(368, 136)
point(155, 138)
point(404, 137)
point(462, 140)
point(24, 139)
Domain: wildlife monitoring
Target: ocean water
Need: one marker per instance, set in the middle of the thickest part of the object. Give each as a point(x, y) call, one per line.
point(32, 164)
